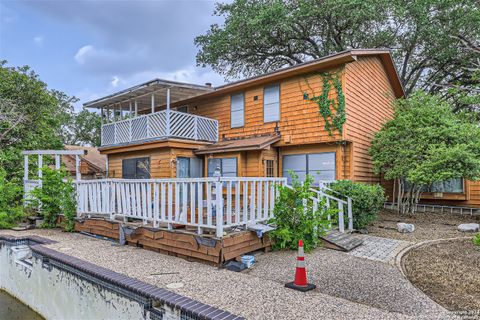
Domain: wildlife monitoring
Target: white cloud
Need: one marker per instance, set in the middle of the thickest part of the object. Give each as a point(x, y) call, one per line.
point(38, 40)
point(81, 54)
point(114, 82)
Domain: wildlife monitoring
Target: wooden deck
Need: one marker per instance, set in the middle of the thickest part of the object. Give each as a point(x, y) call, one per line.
point(179, 242)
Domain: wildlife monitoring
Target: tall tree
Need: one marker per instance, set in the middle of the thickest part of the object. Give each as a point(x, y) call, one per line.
point(83, 128)
point(31, 116)
point(425, 36)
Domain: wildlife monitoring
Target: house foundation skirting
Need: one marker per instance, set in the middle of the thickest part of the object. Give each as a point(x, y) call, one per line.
point(189, 246)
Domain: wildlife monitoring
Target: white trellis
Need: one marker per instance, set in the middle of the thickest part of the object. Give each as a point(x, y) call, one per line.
point(30, 184)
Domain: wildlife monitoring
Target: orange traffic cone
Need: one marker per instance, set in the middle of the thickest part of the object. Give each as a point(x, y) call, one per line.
point(300, 282)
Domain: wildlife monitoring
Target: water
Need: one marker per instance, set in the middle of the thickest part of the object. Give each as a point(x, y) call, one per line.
point(13, 309)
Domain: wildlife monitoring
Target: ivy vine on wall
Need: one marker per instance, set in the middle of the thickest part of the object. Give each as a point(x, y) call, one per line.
point(332, 109)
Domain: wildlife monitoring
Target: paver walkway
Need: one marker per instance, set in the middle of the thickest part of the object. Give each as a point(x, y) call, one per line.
point(379, 249)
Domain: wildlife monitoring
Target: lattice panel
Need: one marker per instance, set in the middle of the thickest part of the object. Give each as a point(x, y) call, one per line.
point(108, 134)
point(123, 132)
point(182, 125)
point(207, 129)
point(158, 125)
point(139, 128)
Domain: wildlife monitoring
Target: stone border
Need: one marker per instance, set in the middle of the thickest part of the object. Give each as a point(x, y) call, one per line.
point(189, 306)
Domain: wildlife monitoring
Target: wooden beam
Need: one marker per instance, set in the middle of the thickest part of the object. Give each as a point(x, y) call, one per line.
point(54, 152)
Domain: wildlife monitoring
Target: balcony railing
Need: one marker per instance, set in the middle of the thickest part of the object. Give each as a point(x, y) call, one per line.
point(163, 124)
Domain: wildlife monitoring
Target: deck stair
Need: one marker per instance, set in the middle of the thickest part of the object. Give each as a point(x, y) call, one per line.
point(341, 241)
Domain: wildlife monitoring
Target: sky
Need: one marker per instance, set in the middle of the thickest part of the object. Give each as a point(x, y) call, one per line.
point(93, 48)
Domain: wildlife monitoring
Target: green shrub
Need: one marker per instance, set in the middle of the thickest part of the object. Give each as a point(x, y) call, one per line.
point(476, 240)
point(55, 196)
point(295, 218)
point(11, 211)
point(367, 200)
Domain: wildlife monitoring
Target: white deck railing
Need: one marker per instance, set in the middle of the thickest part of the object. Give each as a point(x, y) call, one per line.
point(204, 203)
point(161, 124)
point(341, 205)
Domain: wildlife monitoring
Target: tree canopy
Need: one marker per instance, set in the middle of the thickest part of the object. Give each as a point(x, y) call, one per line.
point(35, 117)
point(424, 143)
point(429, 38)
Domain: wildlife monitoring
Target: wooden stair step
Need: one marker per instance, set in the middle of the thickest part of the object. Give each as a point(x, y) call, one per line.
point(341, 241)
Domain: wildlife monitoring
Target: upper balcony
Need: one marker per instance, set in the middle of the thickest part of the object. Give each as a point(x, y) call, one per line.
point(143, 113)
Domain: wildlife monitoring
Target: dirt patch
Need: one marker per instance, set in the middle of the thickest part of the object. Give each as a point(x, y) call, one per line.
point(448, 273)
point(428, 225)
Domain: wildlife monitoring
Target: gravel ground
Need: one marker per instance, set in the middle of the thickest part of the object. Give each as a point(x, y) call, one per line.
point(428, 226)
point(448, 272)
point(348, 287)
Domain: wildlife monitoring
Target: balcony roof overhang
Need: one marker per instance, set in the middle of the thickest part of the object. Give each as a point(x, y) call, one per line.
point(143, 92)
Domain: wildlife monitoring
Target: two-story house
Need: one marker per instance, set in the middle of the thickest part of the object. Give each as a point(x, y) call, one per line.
point(262, 126)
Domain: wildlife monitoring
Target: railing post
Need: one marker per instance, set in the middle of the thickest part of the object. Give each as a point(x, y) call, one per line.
point(167, 115)
point(219, 207)
point(350, 214)
point(148, 126)
point(341, 222)
point(195, 128)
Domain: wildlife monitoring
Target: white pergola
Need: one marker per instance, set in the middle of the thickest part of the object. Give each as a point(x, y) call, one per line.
point(57, 154)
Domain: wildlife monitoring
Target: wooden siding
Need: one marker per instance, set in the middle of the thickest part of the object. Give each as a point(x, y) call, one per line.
point(369, 100)
point(300, 121)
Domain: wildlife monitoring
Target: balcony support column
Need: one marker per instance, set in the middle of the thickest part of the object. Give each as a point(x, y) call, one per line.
point(153, 103)
point(168, 113)
point(136, 108)
point(101, 116)
point(130, 108)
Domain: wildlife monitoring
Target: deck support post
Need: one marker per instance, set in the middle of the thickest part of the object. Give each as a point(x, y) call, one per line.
point(107, 115)
point(101, 116)
point(168, 113)
point(136, 107)
point(77, 168)
point(121, 111)
point(130, 108)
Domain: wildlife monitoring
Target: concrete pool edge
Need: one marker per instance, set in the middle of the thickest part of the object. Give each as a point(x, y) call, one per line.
point(131, 288)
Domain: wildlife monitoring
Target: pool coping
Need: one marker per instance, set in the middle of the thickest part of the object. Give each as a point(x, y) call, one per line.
point(150, 292)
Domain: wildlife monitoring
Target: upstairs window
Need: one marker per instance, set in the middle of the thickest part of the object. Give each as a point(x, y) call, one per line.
point(271, 103)
point(237, 110)
point(228, 166)
point(136, 168)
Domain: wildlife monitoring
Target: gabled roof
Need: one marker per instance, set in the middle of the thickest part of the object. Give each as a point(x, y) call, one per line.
point(93, 157)
point(326, 62)
point(255, 143)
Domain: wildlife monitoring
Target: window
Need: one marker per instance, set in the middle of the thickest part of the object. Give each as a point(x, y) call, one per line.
point(183, 109)
point(319, 165)
point(269, 168)
point(448, 186)
point(271, 103)
point(136, 168)
point(228, 166)
point(189, 167)
point(237, 106)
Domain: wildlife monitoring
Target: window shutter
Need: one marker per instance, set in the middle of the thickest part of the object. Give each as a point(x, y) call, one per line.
point(237, 105)
point(271, 104)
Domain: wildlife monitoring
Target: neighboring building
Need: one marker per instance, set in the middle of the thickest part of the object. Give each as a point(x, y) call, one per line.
point(261, 126)
point(92, 164)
